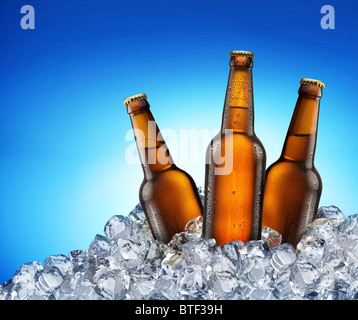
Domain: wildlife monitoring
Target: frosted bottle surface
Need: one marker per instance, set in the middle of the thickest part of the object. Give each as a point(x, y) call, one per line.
point(293, 185)
point(168, 195)
point(235, 163)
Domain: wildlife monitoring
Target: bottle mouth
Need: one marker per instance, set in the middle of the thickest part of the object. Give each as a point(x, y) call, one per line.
point(237, 53)
point(311, 87)
point(241, 59)
point(312, 82)
point(137, 97)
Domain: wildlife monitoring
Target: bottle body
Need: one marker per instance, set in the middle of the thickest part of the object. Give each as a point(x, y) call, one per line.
point(234, 200)
point(168, 195)
point(291, 198)
point(235, 165)
point(293, 185)
point(169, 199)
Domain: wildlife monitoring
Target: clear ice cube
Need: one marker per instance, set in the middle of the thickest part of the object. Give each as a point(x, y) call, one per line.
point(195, 225)
point(332, 213)
point(271, 237)
point(312, 249)
point(118, 226)
point(49, 279)
point(282, 257)
point(59, 261)
point(304, 276)
point(350, 225)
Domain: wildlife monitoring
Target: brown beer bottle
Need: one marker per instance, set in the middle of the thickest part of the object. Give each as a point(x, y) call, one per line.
point(168, 195)
point(293, 185)
point(235, 163)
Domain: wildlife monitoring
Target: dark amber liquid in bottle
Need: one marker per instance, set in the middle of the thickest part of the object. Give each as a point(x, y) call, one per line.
point(293, 185)
point(234, 187)
point(168, 195)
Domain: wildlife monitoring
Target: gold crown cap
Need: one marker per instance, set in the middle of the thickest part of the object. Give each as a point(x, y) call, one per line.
point(136, 97)
point(312, 82)
point(241, 54)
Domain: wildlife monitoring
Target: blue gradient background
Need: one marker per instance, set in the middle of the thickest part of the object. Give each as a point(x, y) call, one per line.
point(63, 123)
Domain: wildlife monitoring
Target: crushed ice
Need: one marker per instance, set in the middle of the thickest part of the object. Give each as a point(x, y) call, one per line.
point(127, 263)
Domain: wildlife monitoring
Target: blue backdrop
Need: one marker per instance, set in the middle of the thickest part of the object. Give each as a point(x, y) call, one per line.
point(63, 123)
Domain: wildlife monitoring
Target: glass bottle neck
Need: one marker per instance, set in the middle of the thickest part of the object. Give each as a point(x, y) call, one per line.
point(153, 152)
point(238, 112)
point(300, 143)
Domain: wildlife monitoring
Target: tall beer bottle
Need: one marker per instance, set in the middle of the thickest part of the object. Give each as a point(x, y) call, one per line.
point(235, 163)
point(168, 195)
point(293, 185)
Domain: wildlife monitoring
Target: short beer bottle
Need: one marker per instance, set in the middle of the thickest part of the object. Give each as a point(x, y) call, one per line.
point(235, 163)
point(293, 185)
point(168, 195)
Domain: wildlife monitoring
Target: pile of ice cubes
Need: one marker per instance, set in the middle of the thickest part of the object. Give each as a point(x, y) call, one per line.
point(127, 263)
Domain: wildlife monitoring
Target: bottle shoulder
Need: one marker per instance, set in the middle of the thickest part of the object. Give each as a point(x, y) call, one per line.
point(172, 173)
point(237, 142)
point(287, 167)
point(174, 181)
point(288, 176)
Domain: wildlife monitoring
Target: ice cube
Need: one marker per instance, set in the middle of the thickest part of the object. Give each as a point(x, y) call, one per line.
point(199, 251)
point(64, 292)
point(254, 272)
point(137, 214)
point(141, 224)
point(232, 249)
point(83, 288)
point(326, 284)
point(99, 247)
point(222, 284)
point(323, 228)
point(128, 254)
point(311, 249)
point(349, 248)
point(334, 295)
point(350, 225)
point(167, 287)
point(353, 269)
point(305, 277)
point(254, 248)
point(79, 259)
point(113, 285)
point(179, 239)
point(226, 259)
point(24, 280)
point(271, 237)
point(332, 213)
point(193, 282)
point(59, 261)
point(26, 273)
point(340, 272)
point(352, 293)
point(254, 266)
point(141, 286)
point(156, 253)
point(195, 225)
point(6, 290)
point(284, 286)
point(174, 263)
point(118, 226)
point(264, 294)
point(96, 268)
point(282, 256)
point(49, 279)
